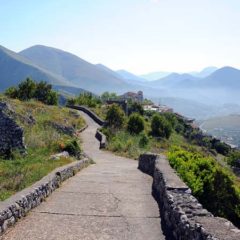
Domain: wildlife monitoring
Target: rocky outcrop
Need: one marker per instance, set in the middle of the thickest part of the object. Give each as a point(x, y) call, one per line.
point(183, 217)
point(11, 135)
point(69, 130)
point(16, 207)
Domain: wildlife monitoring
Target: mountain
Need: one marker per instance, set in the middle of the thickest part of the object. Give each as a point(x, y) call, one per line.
point(226, 77)
point(130, 77)
point(172, 80)
point(205, 72)
point(155, 75)
point(78, 71)
point(15, 68)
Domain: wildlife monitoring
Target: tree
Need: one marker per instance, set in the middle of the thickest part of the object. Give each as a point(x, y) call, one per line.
point(135, 124)
point(29, 89)
point(160, 126)
point(115, 116)
point(107, 95)
point(52, 98)
point(12, 92)
point(136, 108)
point(42, 91)
point(26, 89)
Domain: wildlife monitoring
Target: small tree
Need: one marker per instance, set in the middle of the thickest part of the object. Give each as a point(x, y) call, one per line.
point(135, 124)
point(26, 89)
point(12, 92)
point(136, 108)
point(52, 98)
point(42, 91)
point(115, 116)
point(160, 126)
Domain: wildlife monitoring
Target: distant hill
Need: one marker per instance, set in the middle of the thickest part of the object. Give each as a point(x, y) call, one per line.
point(205, 72)
point(15, 68)
point(173, 80)
point(130, 77)
point(226, 77)
point(155, 75)
point(78, 71)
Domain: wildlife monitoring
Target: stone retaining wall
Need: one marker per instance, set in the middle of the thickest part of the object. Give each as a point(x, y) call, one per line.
point(91, 114)
point(101, 138)
point(17, 206)
point(99, 135)
point(11, 135)
point(182, 216)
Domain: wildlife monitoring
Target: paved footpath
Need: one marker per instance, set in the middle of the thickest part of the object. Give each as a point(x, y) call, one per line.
point(108, 200)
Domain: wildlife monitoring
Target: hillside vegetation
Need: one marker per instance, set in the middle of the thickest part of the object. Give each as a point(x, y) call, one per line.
point(43, 138)
point(200, 160)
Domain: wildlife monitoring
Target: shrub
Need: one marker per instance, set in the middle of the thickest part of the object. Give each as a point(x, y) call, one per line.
point(88, 99)
point(171, 119)
point(136, 108)
point(72, 148)
point(12, 92)
point(210, 183)
point(115, 116)
point(222, 148)
point(160, 126)
point(234, 159)
point(26, 89)
point(135, 124)
point(71, 101)
point(29, 89)
point(143, 141)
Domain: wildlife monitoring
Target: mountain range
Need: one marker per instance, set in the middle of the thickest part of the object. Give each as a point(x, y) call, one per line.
point(70, 74)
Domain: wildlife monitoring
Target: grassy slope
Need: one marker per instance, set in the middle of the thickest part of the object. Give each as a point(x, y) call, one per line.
point(41, 140)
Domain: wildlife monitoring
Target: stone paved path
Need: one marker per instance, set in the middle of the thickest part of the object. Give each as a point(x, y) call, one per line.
point(108, 200)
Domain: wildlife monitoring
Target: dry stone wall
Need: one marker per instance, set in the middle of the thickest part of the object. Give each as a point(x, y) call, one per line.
point(16, 207)
point(91, 114)
point(182, 216)
point(11, 135)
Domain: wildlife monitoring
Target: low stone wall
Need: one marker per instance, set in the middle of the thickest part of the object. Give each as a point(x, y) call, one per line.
point(101, 138)
point(11, 135)
point(17, 206)
point(183, 217)
point(91, 114)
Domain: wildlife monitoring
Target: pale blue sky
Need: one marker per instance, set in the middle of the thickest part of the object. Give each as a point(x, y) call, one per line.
point(138, 35)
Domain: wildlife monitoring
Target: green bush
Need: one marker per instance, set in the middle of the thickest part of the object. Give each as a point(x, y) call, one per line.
point(73, 148)
point(26, 89)
point(30, 89)
point(88, 99)
point(160, 126)
point(136, 108)
point(222, 148)
point(135, 124)
point(234, 159)
point(12, 92)
point(209, 182)
point(143, 141)
point(115, 116)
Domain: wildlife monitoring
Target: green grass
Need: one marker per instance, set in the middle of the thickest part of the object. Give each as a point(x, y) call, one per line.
point(41, 140)
point(125, 144)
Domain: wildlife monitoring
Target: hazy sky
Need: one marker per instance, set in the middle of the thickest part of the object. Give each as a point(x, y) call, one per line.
point(138, 35)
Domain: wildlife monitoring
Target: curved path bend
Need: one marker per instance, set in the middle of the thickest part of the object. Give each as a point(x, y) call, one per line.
point(108, 200)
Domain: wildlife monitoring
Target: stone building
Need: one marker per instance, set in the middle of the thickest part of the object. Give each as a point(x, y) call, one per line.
point(135, 97)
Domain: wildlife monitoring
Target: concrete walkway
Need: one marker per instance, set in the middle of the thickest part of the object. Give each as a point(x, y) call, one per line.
point(108, 200)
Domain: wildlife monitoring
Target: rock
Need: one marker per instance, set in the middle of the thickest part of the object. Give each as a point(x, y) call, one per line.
point(57, 156)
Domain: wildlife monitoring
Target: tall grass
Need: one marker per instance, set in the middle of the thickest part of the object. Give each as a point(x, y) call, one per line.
point(41, 140)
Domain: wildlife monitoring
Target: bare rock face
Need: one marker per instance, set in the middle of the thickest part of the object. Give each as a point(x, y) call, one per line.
point(11, 135)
